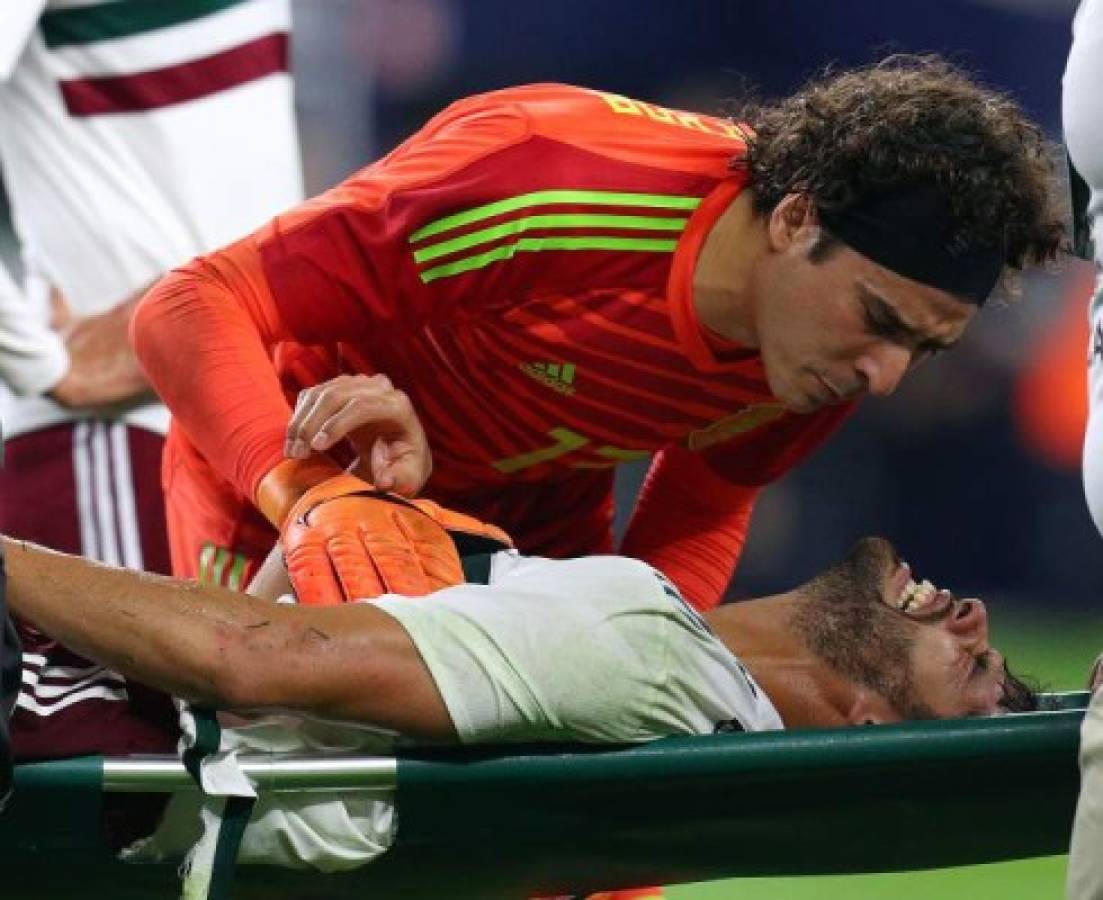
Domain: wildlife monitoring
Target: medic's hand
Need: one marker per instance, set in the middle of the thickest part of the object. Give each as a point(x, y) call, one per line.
point(342, 541)
point(376, 418)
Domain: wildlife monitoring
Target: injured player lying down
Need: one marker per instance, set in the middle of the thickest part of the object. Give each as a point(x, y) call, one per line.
point(596, 649)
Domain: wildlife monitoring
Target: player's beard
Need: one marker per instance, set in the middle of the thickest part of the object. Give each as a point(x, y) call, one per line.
point(845, 622)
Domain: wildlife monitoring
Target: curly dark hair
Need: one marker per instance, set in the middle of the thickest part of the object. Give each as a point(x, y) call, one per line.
point(904, 121)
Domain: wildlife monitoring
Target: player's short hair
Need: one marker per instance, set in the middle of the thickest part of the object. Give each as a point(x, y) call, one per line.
point(904, 121)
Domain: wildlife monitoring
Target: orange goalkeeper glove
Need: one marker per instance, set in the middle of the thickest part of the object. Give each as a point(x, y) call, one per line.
point(343, 540)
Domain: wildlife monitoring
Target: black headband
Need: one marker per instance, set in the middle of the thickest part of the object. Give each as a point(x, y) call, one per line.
point(913, 233)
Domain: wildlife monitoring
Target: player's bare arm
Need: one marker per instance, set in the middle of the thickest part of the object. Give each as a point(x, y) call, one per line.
point(219, 648)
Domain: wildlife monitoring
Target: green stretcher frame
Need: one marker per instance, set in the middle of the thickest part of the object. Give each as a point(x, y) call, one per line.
point(514, 822)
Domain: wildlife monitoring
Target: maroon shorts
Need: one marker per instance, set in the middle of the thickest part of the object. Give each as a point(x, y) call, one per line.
point(92, 488)
point(68, 706)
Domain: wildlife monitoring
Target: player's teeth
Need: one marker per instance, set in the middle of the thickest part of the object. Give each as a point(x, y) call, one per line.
point(907, 596)
point(924, 593)
point(916, 595)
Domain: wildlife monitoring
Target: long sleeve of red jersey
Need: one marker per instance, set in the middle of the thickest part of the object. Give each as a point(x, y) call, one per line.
point(333, 269)
point(204, 335)
point(694, 508)
point(690, 524)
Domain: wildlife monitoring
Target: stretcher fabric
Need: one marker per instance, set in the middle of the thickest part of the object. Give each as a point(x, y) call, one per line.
point(508, 822)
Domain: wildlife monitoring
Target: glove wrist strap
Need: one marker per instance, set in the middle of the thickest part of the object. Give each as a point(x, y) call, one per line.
point(287, 481)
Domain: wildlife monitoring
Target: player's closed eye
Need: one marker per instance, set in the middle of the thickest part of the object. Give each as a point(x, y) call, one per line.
point(886, 328)
point(881, 326)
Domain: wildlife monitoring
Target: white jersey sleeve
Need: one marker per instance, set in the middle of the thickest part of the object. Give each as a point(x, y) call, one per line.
point(19, 19)
point(1083, 126)
point(32, 355)
point(599, 649)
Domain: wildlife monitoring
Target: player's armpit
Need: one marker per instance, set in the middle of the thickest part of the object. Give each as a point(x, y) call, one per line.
point(270, 582)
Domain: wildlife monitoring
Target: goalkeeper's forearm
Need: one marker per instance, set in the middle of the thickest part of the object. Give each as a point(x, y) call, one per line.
point(214, 314)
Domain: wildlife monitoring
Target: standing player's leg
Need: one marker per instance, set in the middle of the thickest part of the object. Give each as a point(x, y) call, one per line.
point(90, 488)
point(1085, 871)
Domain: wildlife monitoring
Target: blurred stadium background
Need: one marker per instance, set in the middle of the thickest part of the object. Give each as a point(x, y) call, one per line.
point(972, 469)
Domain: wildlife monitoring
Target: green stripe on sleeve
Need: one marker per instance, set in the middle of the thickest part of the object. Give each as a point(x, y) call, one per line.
point(524, 245)
point(221, 560)
point(545, 198)
point(122, 18)
point(206, 560)
point(516, 226)
point(237, 573)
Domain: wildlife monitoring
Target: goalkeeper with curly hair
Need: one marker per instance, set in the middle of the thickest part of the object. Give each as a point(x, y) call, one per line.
point(563, 279)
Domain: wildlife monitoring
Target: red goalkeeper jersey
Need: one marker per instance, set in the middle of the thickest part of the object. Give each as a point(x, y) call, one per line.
point(522, 267)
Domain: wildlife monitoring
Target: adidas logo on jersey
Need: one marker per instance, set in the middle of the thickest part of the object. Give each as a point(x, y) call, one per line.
point(557, 376)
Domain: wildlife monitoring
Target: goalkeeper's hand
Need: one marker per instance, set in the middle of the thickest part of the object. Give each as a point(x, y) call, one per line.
point(345, 541)
point(376, 418)
point(342, 539)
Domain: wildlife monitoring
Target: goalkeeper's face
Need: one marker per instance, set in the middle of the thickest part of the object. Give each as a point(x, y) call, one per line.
point(924, 650)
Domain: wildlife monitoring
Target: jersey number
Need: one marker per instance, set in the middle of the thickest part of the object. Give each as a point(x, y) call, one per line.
point(567, 441)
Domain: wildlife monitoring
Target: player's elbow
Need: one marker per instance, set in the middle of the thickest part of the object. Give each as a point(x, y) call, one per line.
point(267, 662)
point(230, 687)
point(243, 674)
point(215, 673)
point(157, 318)
point(229, 684)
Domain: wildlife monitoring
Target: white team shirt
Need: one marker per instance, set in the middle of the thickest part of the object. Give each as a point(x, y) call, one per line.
point(111, 187)
point(1082, 113)
point(598, 649)
point(1083, 125)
